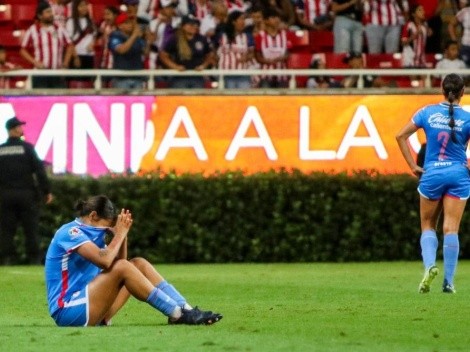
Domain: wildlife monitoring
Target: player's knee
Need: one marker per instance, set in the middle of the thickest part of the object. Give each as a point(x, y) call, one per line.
point(140, 263)
point(121, 265)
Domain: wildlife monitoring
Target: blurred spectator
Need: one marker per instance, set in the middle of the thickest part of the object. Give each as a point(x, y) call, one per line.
point(314, 14)
point(186, 50)
point(211, 23)
point(129, 47)
point(147, 9)
point(5, 66)
point(355, 61)
point(447, 11)
point(51, 47)
point(239, 5)
point(162, 27)
point(314, 82)
point(61, 9)
point(132, 7)
point(451, 58)
point(107, 26)
point(347, 27)
point(271, 49)
point(254, 22)
point(462, 17)
point(384, 19)
point(413, 38)
point(284, 9)
point(199, 8)
point(82, 30)
point(236, 50)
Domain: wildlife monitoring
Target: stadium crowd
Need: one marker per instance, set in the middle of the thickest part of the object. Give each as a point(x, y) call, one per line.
point(187, 35)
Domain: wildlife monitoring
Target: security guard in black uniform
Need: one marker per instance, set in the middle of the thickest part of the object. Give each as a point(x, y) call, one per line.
point(23, 184)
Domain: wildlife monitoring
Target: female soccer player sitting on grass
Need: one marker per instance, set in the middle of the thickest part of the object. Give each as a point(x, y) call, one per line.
point(88, 281)
point(445, 180)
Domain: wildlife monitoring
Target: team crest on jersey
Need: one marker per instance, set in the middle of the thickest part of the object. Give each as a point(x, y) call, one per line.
point(74, 232)
point(199, 46)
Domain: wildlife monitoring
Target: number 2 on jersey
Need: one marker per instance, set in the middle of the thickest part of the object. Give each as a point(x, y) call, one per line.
point(443, 138)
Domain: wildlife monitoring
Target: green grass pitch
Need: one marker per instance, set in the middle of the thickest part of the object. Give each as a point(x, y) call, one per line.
point(266, 307)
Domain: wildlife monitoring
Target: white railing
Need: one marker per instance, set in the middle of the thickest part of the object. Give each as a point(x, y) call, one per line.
point(426, 75)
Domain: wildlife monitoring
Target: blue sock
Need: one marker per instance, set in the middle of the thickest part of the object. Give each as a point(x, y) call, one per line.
point(171, 291)
point(161, 301)
point(451, 256)
point(429, 245)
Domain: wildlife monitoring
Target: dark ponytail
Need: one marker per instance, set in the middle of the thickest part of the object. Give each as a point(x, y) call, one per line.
point(452, 87)
point(103, 206)
point(451, 99)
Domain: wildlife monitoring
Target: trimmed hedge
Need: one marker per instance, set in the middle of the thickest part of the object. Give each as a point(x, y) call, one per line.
point(267, 217)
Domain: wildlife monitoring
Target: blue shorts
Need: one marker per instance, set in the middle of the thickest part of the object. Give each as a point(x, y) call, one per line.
point(452, 181)
point(75, 311)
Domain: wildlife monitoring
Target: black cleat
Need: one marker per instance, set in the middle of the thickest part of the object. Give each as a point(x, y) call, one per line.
point(196, 317)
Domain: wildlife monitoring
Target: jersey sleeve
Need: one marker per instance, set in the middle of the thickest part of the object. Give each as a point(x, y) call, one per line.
point(72, 238)
point(419, 118)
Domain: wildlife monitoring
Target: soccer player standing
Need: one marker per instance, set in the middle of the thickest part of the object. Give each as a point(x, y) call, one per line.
point(445, 179)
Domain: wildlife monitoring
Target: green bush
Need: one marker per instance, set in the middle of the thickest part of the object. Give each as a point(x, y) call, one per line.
point(266, 217)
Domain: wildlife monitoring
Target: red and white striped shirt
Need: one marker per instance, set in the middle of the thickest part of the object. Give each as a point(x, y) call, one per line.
point(231, 53)
point(235, 5)
point(272, 47)
point(106, 57)
point(61, 12)
point(383, 12)
point(314, 9)
point(48, 44)
point(418, 45)
point(148, 9)
point(200, 10)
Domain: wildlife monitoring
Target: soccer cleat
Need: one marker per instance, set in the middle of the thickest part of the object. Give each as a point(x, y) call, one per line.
point(196, 317)
point(448, 288)
point(429, 275)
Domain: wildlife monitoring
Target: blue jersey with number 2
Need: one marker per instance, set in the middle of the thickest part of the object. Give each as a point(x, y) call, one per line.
point(445, 162)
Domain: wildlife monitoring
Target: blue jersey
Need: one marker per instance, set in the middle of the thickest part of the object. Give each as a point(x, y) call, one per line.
point(66, 271)
point(441, 151)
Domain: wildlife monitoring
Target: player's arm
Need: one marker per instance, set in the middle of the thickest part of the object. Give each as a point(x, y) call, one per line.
point(402, 138)
point(104, 257)
point(123, 250)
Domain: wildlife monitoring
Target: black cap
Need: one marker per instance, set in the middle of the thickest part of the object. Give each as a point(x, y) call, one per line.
point(42, 5)
point(190, 19)
point(13, 122)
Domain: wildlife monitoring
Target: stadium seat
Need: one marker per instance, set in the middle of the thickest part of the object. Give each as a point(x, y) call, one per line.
point(321, 41)
point(11, 39)
point(5, 14)
point(334, 60)
point(299, 60)
point(98, 12)
point(14, 57)
point(432, 59)
point(298, 41)
point(23, 15)
point(384, 61)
